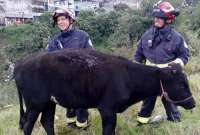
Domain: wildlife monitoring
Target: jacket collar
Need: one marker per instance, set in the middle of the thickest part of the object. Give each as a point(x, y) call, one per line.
point(67, 33)
point(165, 30)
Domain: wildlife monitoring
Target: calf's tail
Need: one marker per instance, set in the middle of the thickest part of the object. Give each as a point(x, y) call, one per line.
point(22, 119)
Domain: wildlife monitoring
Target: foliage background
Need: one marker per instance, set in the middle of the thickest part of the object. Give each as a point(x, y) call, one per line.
point(115, 32)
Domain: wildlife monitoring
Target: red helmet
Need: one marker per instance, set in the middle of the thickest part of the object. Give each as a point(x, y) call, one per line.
point(63, 12)
point(165, 10)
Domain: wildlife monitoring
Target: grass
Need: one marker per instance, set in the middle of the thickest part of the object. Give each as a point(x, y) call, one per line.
point(8, 93)
point(126, 124)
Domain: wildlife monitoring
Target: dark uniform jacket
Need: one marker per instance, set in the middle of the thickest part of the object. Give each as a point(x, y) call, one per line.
point(73, 38)
point(161, 46)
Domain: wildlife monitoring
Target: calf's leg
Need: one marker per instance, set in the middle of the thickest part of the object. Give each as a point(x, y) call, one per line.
point(32, 116)
point(108, 122)
point(47, 119)
point(22, 121)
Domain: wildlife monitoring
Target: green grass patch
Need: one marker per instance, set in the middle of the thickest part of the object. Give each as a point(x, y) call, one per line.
point(126, 124)
point(8, 93)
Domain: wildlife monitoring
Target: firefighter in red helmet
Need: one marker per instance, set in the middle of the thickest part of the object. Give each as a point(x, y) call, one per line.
point(161, 46)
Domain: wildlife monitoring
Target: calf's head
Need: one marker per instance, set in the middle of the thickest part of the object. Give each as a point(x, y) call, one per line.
point(175, 87)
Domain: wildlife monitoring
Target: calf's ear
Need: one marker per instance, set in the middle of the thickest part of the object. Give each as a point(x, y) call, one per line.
point(169, 72)
point(164, 73)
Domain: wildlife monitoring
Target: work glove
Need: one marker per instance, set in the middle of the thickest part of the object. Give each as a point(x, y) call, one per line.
point(176, 65)
point(176, 61)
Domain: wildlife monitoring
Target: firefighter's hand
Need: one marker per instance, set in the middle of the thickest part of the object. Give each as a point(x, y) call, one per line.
point(176, 61)
point(175, 67)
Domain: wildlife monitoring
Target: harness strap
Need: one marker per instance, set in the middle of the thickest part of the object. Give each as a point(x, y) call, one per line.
point(165, 95)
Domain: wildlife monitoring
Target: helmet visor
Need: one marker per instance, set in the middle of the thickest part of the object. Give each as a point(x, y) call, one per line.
point(159, 13)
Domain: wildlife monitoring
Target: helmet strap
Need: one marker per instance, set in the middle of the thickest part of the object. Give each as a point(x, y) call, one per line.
point(168, 21)
point(70, 24)
point(69, 27)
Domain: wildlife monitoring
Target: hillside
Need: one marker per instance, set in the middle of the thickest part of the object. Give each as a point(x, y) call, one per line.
point(117, 32)
point(3, 59)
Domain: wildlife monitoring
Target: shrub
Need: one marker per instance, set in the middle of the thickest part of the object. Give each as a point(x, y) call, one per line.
point(26, 39)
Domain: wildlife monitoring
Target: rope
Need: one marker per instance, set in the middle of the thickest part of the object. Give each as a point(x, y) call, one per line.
point(165, 95)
